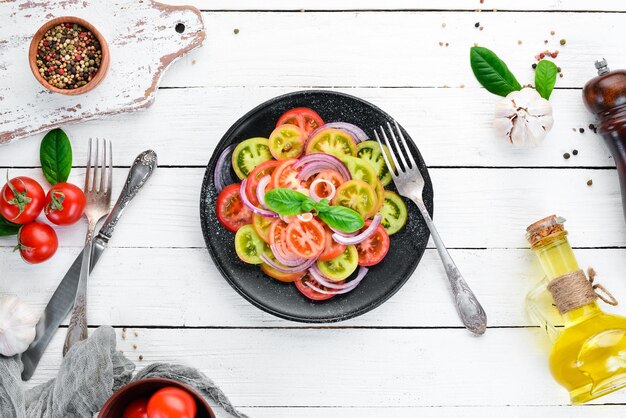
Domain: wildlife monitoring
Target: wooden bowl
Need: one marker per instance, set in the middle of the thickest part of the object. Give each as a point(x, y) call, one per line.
point(144, 388)
point(97, 77)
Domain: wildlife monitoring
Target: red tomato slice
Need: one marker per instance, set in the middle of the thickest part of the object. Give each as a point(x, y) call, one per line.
point(374, 249)
point(285, 176)
point(303, 117)
point(261, 170)
point(332, 248)
point(311, 293)
point(231, 212)
point(277, 232)
point(331, 175)
point(305, 239)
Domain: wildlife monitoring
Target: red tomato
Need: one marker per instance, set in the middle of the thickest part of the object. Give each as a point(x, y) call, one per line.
point(37, 242)
point(257, 174)
point(277, 232)
point(332, 248)
point(285, 176)
point(302, 117)
point(171, 402)
point(64, 204)
point(311, 293)
point(231, 212)
point(21, 200)
point(137, 409)
point(374, 249)
point(331, 175)
point(305, 239)
point(279, 275)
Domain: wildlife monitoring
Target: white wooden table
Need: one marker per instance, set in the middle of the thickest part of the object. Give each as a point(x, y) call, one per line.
point(410, 357)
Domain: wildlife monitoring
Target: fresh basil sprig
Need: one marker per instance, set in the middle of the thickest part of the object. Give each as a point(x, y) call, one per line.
point(492, 72)
point(545, 78)
point(290, 202)
point(55, 154)
point(8, 228)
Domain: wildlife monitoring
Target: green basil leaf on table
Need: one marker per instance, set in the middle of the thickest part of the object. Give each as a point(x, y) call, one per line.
point(55, 154)
point(342, 218)
point(545, 78)
point(288, 202)
point(8, 228)
point(491, 72)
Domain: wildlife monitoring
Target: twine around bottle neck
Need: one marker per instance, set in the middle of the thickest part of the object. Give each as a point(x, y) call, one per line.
point(574, 290)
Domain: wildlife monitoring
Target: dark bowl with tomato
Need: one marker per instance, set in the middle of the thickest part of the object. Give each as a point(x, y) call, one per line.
point(285, 300)
point(126, 402)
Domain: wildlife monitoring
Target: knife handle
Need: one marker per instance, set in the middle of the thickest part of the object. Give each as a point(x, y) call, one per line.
point(140, 171)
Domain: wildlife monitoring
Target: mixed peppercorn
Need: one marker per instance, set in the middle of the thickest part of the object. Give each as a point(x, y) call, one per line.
point(68, 56)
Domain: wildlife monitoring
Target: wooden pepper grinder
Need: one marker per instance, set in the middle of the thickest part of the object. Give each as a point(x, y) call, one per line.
point(605, 96)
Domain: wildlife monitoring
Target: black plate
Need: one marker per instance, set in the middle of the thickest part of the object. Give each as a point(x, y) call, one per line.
point(283, 299)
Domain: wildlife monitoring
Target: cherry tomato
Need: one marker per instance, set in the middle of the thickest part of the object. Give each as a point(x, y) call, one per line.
point(332, 248)
point(303, 117)
point(256, 175)
point(287, 141)
point(286, 176)
point(171, 402)
point(137, 409)
point(311, 293)
point(374, 249)
point(21, 200)
point(306, 239)
point(37, 242)
point(231, 212)
point(64, 204)
point(279, 275)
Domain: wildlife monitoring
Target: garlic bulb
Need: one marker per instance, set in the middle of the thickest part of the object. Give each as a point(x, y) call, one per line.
point(17, 325)
point(523, 117)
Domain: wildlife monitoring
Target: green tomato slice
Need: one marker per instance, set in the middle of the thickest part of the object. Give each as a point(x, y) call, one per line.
point(361, 170)
point(287, 141)
point(249, 246)
point(342, 266)
point(357, 195)
point(370, 151)
point(394, 213)
point(248, 154)
point(332, 141)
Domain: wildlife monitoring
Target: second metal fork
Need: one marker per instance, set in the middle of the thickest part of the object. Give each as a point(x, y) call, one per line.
point(98, 177)
point(410, 183)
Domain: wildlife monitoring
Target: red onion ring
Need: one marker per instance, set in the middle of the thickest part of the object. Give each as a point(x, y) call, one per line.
point(284, 269)
point(221, 175)
point(342, 233)
point(249, 205)
point(314, 163)
point(260, 189)
point(347, 287)
point(286, 259)
point(362, 236)
point(314, 195)
point(305, 217)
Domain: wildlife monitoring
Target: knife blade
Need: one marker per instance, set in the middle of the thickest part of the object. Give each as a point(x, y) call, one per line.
point(62, 300)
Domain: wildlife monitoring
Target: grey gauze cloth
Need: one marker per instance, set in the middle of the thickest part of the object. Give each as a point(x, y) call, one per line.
point(89, 374)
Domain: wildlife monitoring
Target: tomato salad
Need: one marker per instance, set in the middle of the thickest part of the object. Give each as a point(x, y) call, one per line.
point(311, 207)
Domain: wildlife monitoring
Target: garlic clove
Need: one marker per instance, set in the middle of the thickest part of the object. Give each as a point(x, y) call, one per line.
point(518, 133)
point(505, 108)
point(503, 126)
point(535, 130)
point(540, 107)
point(17, 325)
point(525, 97)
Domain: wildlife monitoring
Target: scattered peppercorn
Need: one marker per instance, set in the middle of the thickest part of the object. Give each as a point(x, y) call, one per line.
point(481, 28)
point(562, 41)
point(581, 130)
point(558, 69)
point(68, 56)
point(534, 66)
point(519, 41)
point(140, 357)
point(552, 32)
point(236, 31)
point(575, 152)
point(574, 129)
point(566, 155)
point(134, 346)
point(545, 41)
point(589, 182)
point(477, 24)
point(443, 25)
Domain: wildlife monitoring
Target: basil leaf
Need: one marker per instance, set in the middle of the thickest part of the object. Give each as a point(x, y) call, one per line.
point(8, 228)
point(492, 72)
point(322, 206)
point(342, 218)
point(55, 154)
point(287, 201)
point(545, 78)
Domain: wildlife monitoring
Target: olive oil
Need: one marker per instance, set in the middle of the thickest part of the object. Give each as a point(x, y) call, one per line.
point(588, 357)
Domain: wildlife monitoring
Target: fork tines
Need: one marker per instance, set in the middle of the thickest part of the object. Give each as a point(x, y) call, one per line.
point(408, 162)
point(98, 176)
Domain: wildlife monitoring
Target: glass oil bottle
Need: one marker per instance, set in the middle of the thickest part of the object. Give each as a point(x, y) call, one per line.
point(588, 356)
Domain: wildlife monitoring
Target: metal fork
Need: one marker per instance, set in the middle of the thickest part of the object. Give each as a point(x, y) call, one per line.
point(98, 200)
point(410, 183)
